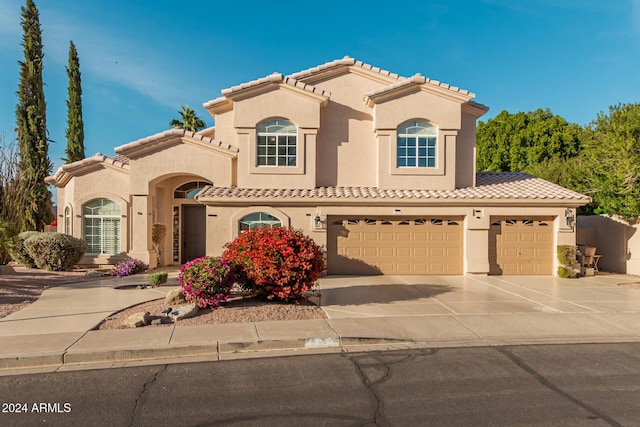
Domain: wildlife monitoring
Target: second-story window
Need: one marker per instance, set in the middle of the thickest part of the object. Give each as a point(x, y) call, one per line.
point(277, 143)
point(417, 145)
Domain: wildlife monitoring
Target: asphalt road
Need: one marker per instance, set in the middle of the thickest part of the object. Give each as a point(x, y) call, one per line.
point(554, 385)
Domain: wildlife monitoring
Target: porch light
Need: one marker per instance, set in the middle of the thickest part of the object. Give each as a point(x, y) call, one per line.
point(317, 221)
point(569, 218)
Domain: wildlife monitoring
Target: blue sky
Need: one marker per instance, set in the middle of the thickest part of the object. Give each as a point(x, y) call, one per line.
point(142, 60)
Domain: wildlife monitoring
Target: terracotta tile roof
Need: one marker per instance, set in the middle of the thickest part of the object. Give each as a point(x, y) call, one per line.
point(346, 61)
point(65, 172)
point(419, 79)
point(489, 186)
point(168, 135)
point(275, 78)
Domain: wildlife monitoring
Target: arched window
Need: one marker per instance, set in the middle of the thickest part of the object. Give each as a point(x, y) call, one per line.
point(101, 228)
point(417, 145)
point(67, 220)
point(189, 190)
point(259, 219)
point(277, 143)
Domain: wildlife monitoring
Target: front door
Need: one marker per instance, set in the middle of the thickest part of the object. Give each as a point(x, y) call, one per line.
point(194, 233)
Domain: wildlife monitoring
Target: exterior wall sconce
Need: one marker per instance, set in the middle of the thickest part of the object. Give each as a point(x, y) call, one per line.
point(317, 221)
point(570, 218)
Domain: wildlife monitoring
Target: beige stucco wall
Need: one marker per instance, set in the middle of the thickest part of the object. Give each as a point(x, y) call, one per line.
point(617, 241)
point(180, 159)
point(98, 182)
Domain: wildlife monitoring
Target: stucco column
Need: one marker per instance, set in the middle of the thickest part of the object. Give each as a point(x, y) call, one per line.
point(140, 230)
point(477, 242)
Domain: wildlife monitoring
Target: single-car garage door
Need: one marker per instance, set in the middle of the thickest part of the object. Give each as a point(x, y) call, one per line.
point(521, 246)
point(395, 245)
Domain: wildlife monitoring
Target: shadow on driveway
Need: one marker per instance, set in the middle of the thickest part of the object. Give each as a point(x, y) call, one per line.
point(380, 293)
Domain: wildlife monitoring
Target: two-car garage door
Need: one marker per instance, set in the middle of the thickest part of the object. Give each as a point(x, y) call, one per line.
point(395, 245)
point(435, 245)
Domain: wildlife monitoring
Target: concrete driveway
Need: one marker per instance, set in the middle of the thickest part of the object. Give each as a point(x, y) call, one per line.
point(376, 296)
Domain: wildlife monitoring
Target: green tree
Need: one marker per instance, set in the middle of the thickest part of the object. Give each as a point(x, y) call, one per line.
point(31, 120)
point(188, 120)
point(12, 185)
point(75, 125)
point(515, 142)
point(613, 156)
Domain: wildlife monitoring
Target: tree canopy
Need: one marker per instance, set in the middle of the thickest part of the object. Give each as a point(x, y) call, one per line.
point(612, 155)
point(513, 142)
point(188, 120)
point(75, 124)
point(31, 121)
point(601, 160)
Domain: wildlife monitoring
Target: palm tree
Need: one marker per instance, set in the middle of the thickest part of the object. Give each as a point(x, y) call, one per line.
point(188, 120)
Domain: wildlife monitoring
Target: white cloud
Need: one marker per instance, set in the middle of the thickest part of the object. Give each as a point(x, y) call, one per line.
point(104, 54)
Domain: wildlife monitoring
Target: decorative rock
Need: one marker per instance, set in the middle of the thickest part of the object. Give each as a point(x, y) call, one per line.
point(137, 320)
point(175, 297)
point(6, 269)
point(184, 311)
point(93, 273)
point(156, 322)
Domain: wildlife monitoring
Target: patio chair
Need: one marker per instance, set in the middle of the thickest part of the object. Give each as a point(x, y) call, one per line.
point(590, 258)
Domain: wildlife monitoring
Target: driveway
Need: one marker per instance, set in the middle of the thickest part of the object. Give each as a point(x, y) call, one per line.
point(376, 296)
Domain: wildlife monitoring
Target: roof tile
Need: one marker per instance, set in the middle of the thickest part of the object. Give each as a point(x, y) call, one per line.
point(503, 185)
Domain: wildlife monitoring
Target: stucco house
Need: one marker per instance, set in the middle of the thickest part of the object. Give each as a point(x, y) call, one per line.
point(378, 168)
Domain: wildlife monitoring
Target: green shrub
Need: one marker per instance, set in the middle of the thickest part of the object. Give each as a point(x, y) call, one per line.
point(567, 272)
point(158, 278)
point(7, 235)
point(20, 253)
point(567, 254)
point(55, 251)
point(567, 257)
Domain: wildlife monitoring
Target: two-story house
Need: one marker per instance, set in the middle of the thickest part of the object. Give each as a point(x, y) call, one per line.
point(378, 168)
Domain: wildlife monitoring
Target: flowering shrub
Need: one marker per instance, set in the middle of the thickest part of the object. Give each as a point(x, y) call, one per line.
point(207, 281)
point(130, 266)
point(276, 263)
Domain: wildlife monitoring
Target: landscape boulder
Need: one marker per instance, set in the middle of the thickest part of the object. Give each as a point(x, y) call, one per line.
point(137, 320)
point(184, 311)
point(175, 297)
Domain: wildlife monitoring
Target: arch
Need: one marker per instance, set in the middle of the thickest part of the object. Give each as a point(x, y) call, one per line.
point(68, 220)
point(284, 219)
point(189, 189)
point(417, 144)
point(276, 143)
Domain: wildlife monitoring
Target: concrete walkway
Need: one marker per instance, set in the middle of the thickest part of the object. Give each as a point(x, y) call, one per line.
point(374, 312)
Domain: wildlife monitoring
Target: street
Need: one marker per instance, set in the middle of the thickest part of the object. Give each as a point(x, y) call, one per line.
point(567, 385)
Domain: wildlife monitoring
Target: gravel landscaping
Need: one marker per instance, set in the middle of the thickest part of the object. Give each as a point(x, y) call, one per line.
point(19, 289)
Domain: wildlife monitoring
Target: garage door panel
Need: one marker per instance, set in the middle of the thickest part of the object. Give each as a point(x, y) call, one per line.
point(395, 245)
point(521, 246)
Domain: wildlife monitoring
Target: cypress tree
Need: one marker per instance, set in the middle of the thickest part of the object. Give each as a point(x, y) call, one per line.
point(31, 120)
point(75, 125)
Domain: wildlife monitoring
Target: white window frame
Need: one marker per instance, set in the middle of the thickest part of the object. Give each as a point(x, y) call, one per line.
point(102, 231)
point(262, 219)
point(276, 143)
point(417, 145)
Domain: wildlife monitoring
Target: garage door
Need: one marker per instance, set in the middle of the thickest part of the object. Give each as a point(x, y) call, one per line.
point(395, 245)
point(521, 246)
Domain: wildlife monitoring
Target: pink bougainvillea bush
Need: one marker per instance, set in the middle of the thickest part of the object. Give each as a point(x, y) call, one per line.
point(207, 281)
point(276, 263)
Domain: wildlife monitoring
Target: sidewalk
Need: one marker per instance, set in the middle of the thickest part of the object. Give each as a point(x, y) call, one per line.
point(366, 313)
